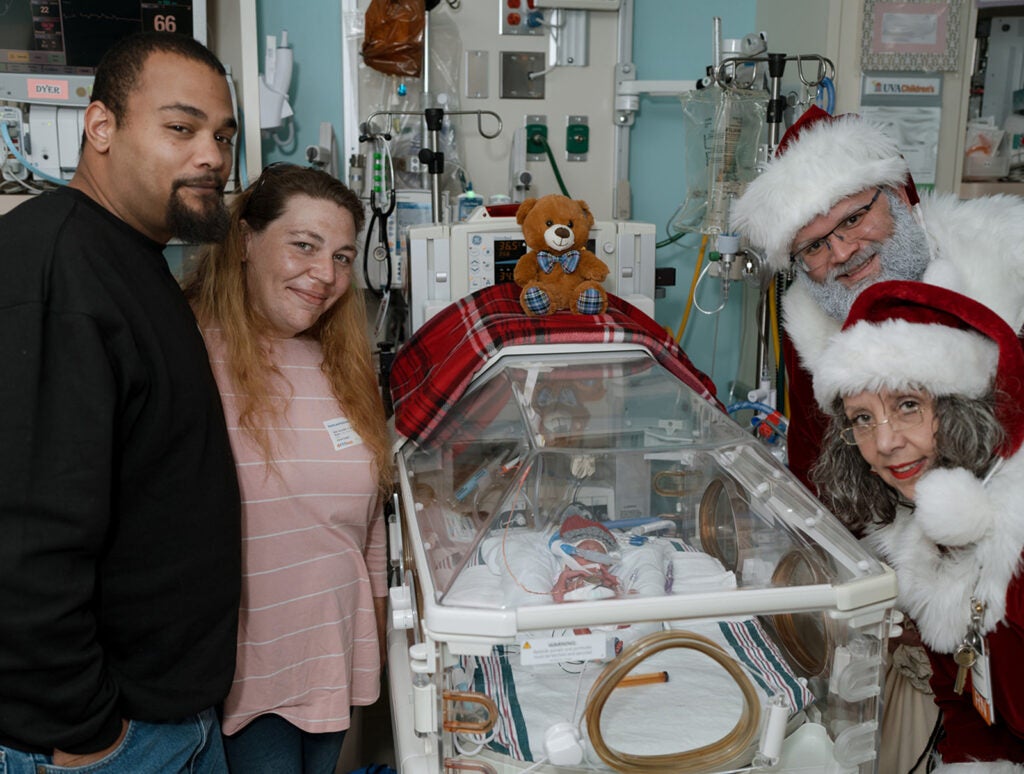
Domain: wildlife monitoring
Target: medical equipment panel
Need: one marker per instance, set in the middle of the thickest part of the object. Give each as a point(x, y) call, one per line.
point(450, 262)
point(599, 570)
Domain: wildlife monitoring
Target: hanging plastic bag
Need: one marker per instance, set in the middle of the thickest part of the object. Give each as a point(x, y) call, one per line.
point(393, 41)
point(722, 131)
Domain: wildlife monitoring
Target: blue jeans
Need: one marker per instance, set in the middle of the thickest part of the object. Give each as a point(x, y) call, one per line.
point(272, 745)
point(190, 746)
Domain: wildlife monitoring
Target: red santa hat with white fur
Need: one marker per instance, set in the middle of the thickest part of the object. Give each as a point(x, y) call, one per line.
point(914, 335)
point(820, 160)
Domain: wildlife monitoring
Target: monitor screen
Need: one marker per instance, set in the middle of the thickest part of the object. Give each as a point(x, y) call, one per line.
point(49, 49)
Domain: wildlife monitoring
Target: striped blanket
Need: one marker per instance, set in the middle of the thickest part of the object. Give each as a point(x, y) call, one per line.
point(698, 705)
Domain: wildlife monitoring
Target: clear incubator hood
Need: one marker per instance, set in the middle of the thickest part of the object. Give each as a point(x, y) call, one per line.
point(599, 570)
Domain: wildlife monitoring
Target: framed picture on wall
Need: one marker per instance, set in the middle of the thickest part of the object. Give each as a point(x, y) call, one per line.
point(922, 35)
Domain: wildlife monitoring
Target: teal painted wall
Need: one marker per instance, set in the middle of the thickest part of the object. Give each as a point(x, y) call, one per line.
point(671, 41)
point(314, 33)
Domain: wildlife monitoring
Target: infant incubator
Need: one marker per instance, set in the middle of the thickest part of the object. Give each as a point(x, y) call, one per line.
point(596, 569)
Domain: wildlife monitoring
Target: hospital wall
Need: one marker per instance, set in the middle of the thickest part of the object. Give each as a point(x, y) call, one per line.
point(672, 40)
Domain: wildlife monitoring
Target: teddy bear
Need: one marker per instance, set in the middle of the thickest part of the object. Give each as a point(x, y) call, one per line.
point(560, 407)
point(558, 271)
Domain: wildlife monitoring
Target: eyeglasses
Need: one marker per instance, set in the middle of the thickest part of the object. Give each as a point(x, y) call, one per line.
point(271, 170)
point(813, 255)
point(861, 429)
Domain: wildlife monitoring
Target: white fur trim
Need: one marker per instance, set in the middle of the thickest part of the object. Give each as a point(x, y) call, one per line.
point(979, 251)
point(935, 587)
point(895, 354)
point(952, 507)
point(827, 163)
point(806, 324)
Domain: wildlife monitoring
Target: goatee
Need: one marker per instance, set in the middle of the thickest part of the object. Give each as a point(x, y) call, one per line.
point(903, 256)
point(208, 223)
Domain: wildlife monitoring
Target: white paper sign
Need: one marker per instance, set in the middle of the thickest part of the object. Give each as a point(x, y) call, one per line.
point(554, 650)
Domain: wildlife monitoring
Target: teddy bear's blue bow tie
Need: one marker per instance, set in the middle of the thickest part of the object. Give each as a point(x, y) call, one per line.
point(569, 260)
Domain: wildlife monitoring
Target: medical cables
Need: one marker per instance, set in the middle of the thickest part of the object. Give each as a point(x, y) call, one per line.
point(697, 275)
point(825, 96)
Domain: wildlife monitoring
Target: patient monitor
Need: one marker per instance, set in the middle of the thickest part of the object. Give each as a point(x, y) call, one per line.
point(449, 262)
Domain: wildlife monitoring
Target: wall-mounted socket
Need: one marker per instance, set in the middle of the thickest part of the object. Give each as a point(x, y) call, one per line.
point(520, 74)
point(536, 137)
point(577, 138)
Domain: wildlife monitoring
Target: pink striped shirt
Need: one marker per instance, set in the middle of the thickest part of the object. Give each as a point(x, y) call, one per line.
point(313, 554)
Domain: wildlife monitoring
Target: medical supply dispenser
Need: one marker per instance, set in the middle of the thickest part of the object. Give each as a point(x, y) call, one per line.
point(607, 573)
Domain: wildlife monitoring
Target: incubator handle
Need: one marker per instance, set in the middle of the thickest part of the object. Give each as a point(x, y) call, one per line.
point(465, 726)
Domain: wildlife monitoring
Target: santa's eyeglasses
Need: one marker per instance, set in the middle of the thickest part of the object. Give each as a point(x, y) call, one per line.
point(815, 253)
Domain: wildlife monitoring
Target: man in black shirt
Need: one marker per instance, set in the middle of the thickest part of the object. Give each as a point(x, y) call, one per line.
point(119, 508)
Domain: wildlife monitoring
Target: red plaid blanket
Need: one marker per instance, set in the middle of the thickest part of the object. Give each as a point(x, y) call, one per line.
point(432, 370)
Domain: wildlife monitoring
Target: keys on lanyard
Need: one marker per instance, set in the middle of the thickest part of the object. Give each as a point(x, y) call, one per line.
point(971, 647)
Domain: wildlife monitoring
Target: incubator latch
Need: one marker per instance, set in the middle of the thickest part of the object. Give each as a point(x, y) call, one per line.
point(401, 607)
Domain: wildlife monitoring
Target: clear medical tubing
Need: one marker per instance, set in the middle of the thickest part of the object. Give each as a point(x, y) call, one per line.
point(725, 750)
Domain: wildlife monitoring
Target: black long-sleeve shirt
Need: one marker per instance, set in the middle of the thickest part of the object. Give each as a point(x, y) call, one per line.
point(119, 506)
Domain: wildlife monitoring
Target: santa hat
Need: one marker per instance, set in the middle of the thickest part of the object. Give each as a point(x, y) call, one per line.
point(820, 161)
point(913, 335)
point(576, 529)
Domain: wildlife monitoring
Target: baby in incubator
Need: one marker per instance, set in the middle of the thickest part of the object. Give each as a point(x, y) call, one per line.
point(588, 550)
point(583, 560)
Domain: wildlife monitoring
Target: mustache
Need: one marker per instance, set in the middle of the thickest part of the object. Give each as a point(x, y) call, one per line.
point(855, 261)
point(201, 180)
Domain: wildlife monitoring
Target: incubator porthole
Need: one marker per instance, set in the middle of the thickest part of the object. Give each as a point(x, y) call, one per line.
point(718, 531)
point(805, 637)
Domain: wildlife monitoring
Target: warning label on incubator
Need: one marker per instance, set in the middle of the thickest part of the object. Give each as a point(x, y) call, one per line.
point(553, 650)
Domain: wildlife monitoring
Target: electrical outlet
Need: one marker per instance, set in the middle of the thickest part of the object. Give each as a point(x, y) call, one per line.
point(577, 138)
point(536, 137)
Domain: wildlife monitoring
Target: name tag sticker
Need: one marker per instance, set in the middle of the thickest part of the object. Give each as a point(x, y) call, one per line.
point(342, 434)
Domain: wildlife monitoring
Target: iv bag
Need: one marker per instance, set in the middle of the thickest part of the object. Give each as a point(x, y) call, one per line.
point(723, 131)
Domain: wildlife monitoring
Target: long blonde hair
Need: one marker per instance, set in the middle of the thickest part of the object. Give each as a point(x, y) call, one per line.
point(217, 291)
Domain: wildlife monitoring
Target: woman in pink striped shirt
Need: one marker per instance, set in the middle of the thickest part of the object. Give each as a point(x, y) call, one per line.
point(285, 329)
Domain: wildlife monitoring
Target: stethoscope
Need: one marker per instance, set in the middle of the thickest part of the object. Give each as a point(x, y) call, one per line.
point(382, 252)
point(379, 217)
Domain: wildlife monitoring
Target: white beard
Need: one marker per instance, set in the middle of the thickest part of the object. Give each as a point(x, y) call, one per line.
point(903, 256)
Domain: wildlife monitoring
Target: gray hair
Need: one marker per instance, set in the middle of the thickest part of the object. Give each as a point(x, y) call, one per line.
point(967, 435)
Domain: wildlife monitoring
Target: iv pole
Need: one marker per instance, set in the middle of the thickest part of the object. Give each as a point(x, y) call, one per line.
point(433, 117)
